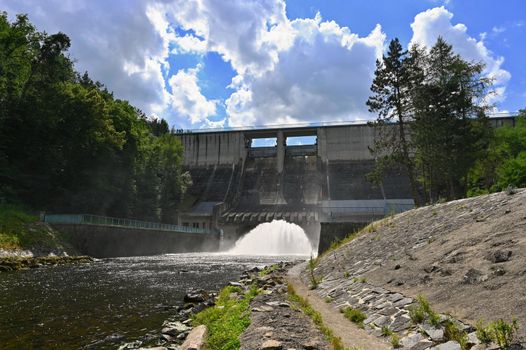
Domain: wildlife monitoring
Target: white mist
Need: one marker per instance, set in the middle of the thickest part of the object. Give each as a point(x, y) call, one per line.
point(274, 238)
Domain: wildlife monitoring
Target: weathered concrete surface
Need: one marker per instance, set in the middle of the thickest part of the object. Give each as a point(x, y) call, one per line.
point(103, 241)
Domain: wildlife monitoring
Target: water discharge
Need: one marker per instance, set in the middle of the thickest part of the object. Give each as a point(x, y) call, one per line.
point(274, 238)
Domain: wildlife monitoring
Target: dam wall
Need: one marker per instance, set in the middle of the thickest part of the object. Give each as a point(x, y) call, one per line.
point(237, 185)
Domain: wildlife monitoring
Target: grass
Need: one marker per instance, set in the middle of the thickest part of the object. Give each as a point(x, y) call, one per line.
point(304, 306)
point(20, 230)
point(268, 269)
point(355, 316)
point(423, 310)
point(499, 331)
point(453, 332)
point(395, 340)
point(313, 279)
point(386, 331)
point(228, 319)
point(359, 279)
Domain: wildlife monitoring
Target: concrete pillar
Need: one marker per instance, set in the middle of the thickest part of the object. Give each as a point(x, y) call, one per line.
point(281, 150)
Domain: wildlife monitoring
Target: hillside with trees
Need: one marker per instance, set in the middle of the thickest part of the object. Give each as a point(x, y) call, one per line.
point(432, 119)
point(68, 145)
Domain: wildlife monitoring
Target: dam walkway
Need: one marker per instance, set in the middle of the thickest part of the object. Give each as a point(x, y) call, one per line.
point(87, 219)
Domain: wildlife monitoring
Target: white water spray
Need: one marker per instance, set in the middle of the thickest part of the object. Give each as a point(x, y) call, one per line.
point(274, 238)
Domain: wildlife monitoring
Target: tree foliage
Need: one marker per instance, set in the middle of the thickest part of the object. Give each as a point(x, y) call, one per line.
point(504, 160)
point(68, 145)
point(431, 102)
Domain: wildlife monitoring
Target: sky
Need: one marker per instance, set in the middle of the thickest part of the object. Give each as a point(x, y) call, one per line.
point(228, 63)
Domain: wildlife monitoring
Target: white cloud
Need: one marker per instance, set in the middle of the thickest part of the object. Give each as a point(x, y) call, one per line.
point(324, 75)
point(429, 25)
point(114, 41)
point(187, 99)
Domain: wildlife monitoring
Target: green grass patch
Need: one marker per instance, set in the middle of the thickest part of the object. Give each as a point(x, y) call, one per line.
point(501, 332)
point(422, 310)
point(268, 269)
point(395, 340)
point(453, 332)
point(304, 306)
point(17, 230)
point(354, 315)
point(228, 319)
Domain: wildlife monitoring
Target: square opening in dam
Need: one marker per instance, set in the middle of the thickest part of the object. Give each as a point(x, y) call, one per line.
point(301, 140)
point(264, 142)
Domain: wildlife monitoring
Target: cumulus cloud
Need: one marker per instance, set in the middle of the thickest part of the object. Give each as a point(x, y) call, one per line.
point(114, 41)
point(429, 25)
point(187, 99)
point(324, 75)
point(286, 71)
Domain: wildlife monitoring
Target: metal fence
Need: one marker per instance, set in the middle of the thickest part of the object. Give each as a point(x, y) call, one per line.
point(373, 212)
point(86, 219)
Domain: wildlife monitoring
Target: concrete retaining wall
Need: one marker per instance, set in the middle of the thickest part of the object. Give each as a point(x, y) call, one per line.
point(103, 241)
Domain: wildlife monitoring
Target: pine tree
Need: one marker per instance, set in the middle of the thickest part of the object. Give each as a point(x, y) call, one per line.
point(449, 122)
point(392, 88)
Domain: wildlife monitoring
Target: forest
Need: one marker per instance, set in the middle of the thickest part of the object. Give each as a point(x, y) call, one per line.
point(68, 146)
point(432, 108)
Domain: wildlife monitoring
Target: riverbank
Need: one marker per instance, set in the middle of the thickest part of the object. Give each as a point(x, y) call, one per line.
point(26, 242)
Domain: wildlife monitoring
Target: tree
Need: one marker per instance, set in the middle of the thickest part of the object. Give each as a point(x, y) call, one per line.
point(504, 162)
point(392, 87)
point(450, 127)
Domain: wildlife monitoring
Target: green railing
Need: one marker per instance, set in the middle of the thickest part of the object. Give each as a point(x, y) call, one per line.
point(86, 219)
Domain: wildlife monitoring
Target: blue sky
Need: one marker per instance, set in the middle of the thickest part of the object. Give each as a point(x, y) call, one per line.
point(216, 63)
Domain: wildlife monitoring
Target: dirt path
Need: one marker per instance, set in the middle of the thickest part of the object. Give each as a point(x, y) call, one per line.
point(351, 335)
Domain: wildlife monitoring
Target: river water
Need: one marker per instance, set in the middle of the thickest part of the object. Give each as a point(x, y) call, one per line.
point(104, 304)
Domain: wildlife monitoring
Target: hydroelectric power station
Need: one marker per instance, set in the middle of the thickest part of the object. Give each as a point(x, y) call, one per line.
point(321, 186)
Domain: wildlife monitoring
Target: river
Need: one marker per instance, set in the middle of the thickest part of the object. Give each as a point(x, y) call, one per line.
point(104, 304)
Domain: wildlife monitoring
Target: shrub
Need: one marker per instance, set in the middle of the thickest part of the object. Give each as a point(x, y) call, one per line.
point(355, 316)
point(453, 332)
point(386, 331)
point(503, 332)
point(395, 340)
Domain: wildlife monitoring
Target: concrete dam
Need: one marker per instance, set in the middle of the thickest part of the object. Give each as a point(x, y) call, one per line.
point(321, 186)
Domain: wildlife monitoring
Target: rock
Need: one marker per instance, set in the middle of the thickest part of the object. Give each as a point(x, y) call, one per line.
point(271, 345)
point(196, 339)
point(474, 276)
point(263, 308)
point(499, 256)
point(403, 302)
point(175, 328)
point(198, 297)
point(236, 284)
point(450, 345)
point(400, 323)
point(434, 333)
point(411, 340)
point(473, 339)
point(155, 348)
point(312, 344)
point(422, 345)
point(395, 297)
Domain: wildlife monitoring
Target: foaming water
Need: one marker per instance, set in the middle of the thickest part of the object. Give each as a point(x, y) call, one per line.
point(273, 238)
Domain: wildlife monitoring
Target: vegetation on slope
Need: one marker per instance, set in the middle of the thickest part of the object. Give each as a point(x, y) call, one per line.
point(68, 145)
point(227, 320)
point(19, 230)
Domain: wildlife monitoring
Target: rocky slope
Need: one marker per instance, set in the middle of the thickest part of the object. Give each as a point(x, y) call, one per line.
point(467, 257)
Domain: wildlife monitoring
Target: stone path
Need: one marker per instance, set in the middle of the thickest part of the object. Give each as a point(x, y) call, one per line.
point(350, 334)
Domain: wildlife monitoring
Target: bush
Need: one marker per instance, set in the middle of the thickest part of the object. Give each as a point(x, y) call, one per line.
point(500, 331)
point(453, 332)
point(355, 316)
